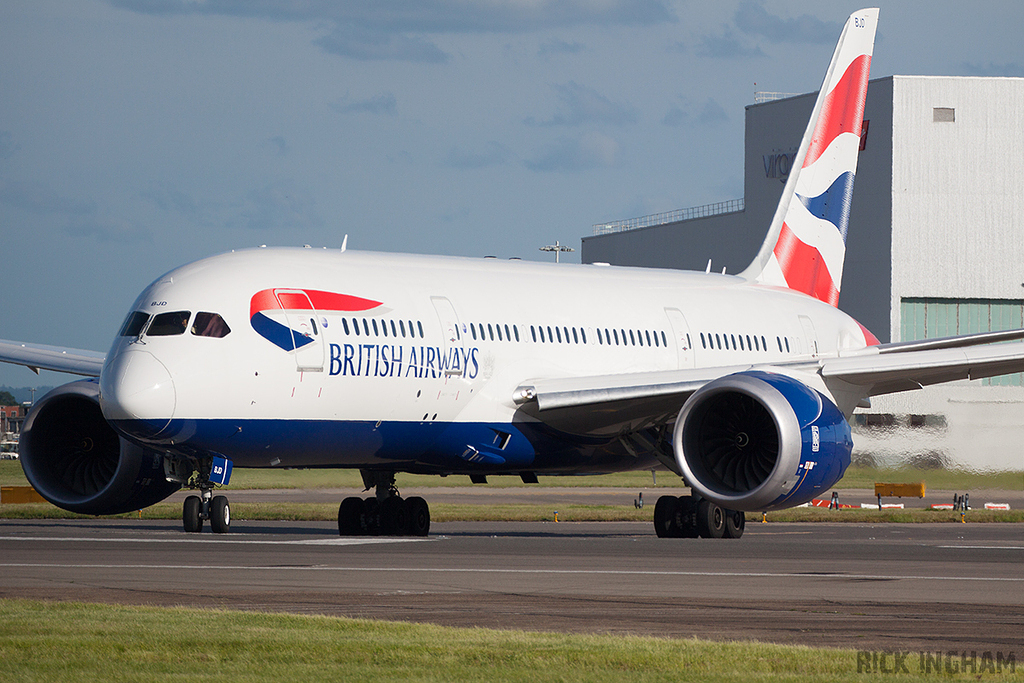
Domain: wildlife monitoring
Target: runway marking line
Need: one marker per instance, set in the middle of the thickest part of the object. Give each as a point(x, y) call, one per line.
point(465, 570)
point(349, 540)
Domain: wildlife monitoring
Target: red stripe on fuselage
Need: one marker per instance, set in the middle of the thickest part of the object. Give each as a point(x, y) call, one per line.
point(804, 268)
point(270, 299)
point(843, 110)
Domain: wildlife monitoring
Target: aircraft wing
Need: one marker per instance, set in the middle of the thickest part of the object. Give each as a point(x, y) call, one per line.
point(604, 403)
point(887, 373)
point(60, 359)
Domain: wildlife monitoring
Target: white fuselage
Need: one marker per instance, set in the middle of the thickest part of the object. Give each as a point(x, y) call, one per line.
point(442, 341)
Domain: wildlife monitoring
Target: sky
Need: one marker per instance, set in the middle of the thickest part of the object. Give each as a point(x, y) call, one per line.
point(140, 135)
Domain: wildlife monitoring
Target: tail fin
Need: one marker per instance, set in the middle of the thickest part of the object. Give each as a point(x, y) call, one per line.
point(806, 243)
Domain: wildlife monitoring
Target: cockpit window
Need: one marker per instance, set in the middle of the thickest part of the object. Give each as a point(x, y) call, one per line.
point(133, 324)
point(210, 325)
point(169, 324)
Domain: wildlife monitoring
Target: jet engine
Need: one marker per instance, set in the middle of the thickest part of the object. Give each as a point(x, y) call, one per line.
point(76, 460)
point(758, 441)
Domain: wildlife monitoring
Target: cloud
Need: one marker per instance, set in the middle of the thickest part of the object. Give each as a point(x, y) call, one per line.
point(991, 69)
point(708, 113)
point(7, 145)
point(493, 154)
point(276, 206)
point(74, 217)
point(383, 104)
point(560, 47)
point(109, 232)
point(361, 44)
point(753, 19)
point(396, 29)
point(591, 150)
point(727, 45)
point(41, 198)
point(277, 144)
point(585, 105)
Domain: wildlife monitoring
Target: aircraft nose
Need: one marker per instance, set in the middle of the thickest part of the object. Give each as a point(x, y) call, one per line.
point(137, 392)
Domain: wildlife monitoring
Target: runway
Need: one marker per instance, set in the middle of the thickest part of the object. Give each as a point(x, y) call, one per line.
point(891, 587)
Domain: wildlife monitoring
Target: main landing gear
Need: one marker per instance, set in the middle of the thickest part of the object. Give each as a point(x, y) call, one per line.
point(691, 517)
point(386, 513)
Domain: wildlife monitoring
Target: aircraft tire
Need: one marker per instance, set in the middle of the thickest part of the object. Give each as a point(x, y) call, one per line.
point(220, 515)
point(190, 517)
point(349, 514)
point(735, 521)
point(686, 518)
point(371, 517)
point(665, 517)
point(419, 516)
point(710, 520)
point(394, 517)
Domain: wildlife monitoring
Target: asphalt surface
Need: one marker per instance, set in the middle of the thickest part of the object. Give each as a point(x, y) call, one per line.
point(883, 587)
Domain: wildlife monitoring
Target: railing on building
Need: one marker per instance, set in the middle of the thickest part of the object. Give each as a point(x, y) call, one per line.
point(760, 97)
point(731, 206)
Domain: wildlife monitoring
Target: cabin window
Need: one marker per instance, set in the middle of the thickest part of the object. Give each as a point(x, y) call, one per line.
point(169, 324)
point(516, 331)
point(419, 326)
point(558, 333)
point(133, 324)
point(344, 323)
point(764, 344)
point(375, 332)
point(787, 344)
point(575, 337)
point(583, 334)
point(401, 326)
point(366, 326)
point(394, 332)
point(702, 344)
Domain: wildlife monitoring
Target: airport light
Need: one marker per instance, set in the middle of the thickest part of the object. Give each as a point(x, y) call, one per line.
point(557, 248)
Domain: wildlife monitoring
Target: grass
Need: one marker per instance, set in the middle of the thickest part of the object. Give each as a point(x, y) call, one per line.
point(56, 642)
point(328, 512)
point(856, 477)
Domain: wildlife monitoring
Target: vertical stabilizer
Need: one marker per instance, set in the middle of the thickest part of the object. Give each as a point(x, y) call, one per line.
point(806, 243)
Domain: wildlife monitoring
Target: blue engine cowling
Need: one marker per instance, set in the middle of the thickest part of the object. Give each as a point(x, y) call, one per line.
point(758, 441)
point(76, 460)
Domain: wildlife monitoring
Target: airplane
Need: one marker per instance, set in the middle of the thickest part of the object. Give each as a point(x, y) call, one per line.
point(742, 385)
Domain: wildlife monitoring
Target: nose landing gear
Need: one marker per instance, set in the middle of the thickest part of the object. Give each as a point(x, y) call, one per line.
point(196, 474)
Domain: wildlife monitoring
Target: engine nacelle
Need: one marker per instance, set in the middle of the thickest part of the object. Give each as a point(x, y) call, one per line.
point(758, 441)
point(76, 460)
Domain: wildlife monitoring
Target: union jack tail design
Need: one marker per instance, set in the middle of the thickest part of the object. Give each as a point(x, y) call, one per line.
point(806, 244)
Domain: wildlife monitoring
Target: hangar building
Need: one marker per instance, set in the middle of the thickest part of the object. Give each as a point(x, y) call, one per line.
point(935, 247)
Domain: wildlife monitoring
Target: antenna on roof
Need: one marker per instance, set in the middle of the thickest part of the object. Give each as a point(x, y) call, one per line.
point(344, 243)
